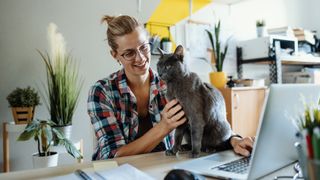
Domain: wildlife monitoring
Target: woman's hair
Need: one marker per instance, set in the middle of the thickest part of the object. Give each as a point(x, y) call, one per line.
point(118, 26)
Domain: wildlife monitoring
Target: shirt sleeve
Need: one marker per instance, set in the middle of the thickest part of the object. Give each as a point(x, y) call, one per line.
point(103, 119)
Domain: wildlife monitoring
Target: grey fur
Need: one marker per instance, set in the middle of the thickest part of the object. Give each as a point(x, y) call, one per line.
point(203, 105)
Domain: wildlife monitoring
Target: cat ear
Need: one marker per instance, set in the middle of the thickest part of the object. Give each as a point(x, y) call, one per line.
point(161, 51)
point(179, 51)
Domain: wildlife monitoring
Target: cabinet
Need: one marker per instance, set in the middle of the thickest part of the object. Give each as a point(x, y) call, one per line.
point(244, 105)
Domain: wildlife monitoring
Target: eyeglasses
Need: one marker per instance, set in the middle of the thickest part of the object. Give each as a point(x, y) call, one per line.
point(131, 54)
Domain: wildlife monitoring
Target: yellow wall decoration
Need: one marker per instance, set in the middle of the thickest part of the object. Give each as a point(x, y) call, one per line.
point(169, 12)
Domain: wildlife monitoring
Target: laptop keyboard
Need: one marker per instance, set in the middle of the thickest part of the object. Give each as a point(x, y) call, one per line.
point(239, 166)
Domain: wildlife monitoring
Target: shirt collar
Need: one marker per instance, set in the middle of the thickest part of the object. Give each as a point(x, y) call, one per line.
point(124, 88)
point(122, 82)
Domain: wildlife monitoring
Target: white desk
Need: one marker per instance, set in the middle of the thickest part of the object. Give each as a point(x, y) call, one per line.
point(156, 165)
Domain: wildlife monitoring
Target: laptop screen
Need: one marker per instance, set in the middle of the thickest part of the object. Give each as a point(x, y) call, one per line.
point(274, 147)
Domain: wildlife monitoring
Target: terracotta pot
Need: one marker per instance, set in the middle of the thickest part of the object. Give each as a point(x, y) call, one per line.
point(22, 115)
point(218, 79)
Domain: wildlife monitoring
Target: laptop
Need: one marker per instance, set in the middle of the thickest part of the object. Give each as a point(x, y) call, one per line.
point(274, 145)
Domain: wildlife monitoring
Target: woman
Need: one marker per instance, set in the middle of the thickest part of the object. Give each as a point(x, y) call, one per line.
point(128, 109)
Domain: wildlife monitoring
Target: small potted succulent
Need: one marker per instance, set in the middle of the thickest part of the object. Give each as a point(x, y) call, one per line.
point(42, 131)
point(260, 25)
point(166, 44)
point(23, 102)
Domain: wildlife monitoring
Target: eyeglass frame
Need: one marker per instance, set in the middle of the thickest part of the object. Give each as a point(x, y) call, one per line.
point(137, 50)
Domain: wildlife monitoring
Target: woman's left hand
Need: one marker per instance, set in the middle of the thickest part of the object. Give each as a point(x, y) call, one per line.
point(242, 146)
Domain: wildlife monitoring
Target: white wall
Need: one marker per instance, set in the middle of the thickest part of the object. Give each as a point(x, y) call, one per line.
point(23, 27)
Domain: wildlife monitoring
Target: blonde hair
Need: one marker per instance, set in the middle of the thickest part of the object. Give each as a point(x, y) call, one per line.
point(119, 26)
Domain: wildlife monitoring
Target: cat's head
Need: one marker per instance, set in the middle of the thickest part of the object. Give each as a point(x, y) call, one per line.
point(171, 66)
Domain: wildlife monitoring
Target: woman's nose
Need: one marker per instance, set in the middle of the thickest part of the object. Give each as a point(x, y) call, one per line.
point(140, 56)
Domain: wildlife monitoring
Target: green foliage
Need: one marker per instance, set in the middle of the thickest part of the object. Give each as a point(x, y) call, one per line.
point(310, 118)
point(63, 87)
point(43, 132)
point(23, 97)
point(165, 39)
point(216, 47)
point(260, 23)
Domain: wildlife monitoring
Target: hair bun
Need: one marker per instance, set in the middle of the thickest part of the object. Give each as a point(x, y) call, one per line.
point(107, 19)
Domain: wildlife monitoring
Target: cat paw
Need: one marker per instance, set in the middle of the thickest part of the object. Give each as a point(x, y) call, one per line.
point(194, 155)
point(170, 152)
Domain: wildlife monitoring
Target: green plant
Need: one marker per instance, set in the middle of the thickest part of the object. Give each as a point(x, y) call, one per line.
point(23, 97)
point(63, 85)
point(43, 132)
point(165, 39)
point(218, 54)
point(260, 23)
point(310, 118)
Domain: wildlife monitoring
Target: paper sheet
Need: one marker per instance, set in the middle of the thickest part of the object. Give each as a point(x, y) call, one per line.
point(108, 170)
point(125, 172)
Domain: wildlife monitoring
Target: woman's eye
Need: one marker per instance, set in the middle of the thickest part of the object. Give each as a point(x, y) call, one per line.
point(129, 54)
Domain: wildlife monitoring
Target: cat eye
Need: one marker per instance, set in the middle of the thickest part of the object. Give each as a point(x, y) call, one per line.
point(167, 67)
point(131, 54)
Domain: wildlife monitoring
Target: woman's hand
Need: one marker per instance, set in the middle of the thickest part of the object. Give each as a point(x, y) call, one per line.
point(242, 146)
point(172, 116)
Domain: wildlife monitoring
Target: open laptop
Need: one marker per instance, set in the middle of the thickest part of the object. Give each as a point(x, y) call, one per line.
point(274, 146)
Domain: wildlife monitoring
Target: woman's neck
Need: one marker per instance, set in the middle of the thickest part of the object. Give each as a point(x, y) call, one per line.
point(141, 81)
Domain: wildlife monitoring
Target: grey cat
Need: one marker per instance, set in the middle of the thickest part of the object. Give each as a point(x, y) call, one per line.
point(206, 128)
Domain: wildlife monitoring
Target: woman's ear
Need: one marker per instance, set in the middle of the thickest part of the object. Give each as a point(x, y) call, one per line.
point(113, 54)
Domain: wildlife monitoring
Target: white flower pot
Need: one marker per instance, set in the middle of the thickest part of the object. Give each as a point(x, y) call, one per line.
point(261, 31)
point(66, 130)
point(45, 161)
point(167, 46)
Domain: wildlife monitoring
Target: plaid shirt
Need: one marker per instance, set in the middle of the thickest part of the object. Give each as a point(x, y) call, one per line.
point(112, 108)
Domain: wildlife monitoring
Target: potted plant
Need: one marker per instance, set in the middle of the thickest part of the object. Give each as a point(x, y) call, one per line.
point(218, 79)
point(63, 85)
point(43, 131)
point(166, 44)
point(260, 25)
point(23, 102)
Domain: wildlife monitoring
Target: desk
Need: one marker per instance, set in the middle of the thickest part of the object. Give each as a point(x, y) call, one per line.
point(156, 165)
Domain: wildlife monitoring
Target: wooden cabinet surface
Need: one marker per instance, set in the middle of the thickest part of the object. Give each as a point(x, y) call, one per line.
point(244, 105)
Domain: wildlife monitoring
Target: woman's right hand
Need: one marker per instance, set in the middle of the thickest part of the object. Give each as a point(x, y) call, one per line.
point(172, 116)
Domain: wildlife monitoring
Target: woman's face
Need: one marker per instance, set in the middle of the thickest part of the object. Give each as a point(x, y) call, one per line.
point(134, 52)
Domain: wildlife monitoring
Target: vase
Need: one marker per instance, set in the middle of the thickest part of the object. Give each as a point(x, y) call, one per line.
point(218, 79)
point(45, 161)
point(167, 46)
point(66, 130)
point(261, 31)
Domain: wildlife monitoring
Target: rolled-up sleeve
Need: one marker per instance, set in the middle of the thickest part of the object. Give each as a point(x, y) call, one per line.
point(103, 118)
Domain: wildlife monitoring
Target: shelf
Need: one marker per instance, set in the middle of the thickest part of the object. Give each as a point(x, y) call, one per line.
point(276, 62)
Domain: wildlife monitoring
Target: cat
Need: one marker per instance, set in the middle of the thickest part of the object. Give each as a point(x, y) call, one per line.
point(206, 127)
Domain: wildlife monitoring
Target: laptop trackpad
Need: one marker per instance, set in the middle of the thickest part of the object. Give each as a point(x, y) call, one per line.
point(208, 162)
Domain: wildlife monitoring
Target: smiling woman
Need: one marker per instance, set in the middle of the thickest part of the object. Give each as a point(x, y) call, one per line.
point(128, 109)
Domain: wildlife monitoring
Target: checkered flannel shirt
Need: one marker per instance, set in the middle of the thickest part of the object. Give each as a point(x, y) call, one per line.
point(112, 108)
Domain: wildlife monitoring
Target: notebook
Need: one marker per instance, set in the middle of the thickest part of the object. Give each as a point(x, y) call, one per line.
point(274, 146)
